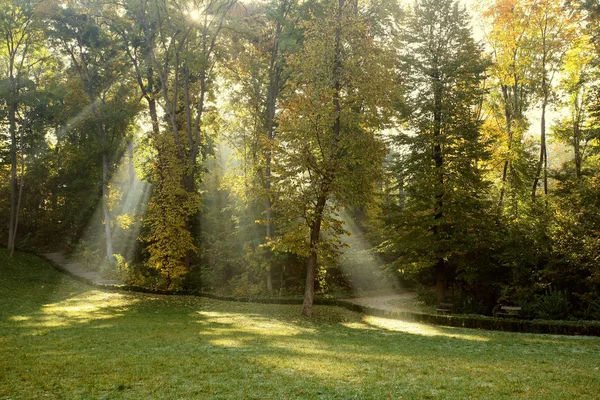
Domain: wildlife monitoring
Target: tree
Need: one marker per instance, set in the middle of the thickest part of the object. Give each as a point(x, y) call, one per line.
point(442, 148)
point(94, 59)
point(175, 46)
point(328, 149)
point(20, 51)
point(257, 72)
point(508, 34)
point(578, 128)
point(276, 81)
point(553, 32)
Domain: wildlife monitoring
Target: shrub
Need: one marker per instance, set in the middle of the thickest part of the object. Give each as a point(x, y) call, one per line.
point(552, 305)
point(429, 297)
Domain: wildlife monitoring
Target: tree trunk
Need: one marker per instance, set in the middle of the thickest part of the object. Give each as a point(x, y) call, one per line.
point(21, 185)
point(269, 280)
point(401, 192)
point(438, 159)
point(543, 161)
point(131, 169)
point(315, 227)
point(311, 264)
point(508, 119)
point(274, 74)
point(281, 280)
point(12, 111)
point(105, 210)
point(154, 116)
point(309, 289)
point(503, 187)
point(440, 280)
point(577, 148)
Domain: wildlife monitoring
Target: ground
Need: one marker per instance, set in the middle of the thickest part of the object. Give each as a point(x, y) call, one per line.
point(62, 339)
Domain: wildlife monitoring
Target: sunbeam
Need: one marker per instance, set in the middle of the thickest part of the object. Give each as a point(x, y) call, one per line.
point(127, 202)
point(360, 263)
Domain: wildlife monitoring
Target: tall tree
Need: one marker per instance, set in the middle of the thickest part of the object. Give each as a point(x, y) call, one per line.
point(81, 35)
point(174, 54)
point(276, 80)
point(328, 149)
point(579, 79)
point(441, 140)
point(508, 34)
point(553, 31)
point(257, 71)
point(20, 41)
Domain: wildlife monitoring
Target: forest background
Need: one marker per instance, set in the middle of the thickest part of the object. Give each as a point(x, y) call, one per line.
point(285, 147)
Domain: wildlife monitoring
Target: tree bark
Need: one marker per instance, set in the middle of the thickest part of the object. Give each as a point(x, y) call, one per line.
point(440, 280)
point(543, 161)
point(546, 82)
point(12, 111)
point(315, 226)
point(131, 168)
point(577, 147)
point(508, 119)
point(311, 264)
point(438, 159)
point(105, 209)
point(274, 75)
point(21, 185)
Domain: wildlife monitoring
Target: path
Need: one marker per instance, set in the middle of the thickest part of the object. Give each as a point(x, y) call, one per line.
point(381, 302)
point(79, 271)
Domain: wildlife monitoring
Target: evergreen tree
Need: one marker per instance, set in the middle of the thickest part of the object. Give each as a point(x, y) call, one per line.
point(440, 146)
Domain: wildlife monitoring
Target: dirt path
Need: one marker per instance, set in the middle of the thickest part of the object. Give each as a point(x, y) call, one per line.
point(382, 302)
point(78, 270)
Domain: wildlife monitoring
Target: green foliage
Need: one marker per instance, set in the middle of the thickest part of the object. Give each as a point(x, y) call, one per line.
point(314, 160)
point(137, 274)
point(290, 102)
point(552, 305)
point(428, 297)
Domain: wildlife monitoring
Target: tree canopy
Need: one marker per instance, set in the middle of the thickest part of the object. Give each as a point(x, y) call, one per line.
point(289, 147)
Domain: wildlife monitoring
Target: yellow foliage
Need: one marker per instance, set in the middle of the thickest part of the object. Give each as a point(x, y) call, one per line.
point(169, 213)
point(124, 221)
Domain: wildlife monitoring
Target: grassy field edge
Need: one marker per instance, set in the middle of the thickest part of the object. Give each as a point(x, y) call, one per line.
point(585, 328)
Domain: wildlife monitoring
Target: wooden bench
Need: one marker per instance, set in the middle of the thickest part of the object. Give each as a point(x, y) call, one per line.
point(444, 308)
point(509, 311)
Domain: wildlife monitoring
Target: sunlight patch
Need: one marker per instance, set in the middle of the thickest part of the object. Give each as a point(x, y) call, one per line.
point(94, 305)
point(333, 367)
point(358, 325)
point(226, 343)
point(19, 318)
point(417, 328)
point(251, 323)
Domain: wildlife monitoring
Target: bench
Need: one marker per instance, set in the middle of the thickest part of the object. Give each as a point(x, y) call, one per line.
point(509, 311)
point(444, 308)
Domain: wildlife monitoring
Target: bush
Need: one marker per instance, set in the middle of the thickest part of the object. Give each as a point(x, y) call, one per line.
point(429, 297)
point(469, 305)
point(552, 305)
point(137, 274)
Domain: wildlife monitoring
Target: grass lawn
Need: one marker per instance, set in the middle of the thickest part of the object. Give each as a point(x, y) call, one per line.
point(61, 339)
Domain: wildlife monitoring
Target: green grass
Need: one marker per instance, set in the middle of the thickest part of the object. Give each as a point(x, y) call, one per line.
point(64, 340)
